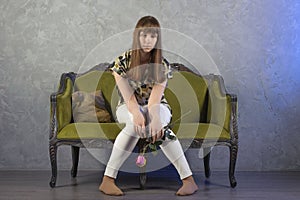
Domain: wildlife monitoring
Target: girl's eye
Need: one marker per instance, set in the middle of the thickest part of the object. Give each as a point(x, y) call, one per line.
point(148, 35)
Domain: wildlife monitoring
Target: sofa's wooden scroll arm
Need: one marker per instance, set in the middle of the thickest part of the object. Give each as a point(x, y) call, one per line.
point(231, 102)
point(61, 95)
point(59, 119)
point(233, 126)
point(234, 117)
point(234, 139)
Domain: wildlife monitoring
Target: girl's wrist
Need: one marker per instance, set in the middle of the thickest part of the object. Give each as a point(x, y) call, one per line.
point(133, 106)
point(134, 110)
point(153, 110)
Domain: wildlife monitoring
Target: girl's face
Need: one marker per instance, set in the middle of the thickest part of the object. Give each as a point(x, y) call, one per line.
point(147, 41)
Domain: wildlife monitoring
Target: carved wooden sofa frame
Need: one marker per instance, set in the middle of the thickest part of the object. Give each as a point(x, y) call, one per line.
point(60, 119)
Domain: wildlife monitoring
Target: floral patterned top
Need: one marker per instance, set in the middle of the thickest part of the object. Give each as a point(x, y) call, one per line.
point(142, 89)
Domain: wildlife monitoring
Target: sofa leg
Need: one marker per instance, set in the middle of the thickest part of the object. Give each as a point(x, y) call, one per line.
point(143, 175)
point(143, 179)
point(75, 159)
point(206, 152)
point(233, 157)
point(53, 152)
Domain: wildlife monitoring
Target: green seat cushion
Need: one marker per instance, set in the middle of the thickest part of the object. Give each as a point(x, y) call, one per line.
point(200, 131)
point(90, 131)
point(111, 130)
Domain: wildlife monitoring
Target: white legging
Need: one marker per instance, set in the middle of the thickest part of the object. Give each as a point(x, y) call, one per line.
point(128, 138)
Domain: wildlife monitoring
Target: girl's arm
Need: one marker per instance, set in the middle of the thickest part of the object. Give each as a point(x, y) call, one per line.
point(156, 94)
point(154, 112)
point(131, 103)
point(127, 93)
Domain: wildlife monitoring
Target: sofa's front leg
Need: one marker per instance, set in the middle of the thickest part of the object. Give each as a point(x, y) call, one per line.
point(53, 152)
point(233, 157)
point(143, 175)
point(75, 159)
point(206, 152)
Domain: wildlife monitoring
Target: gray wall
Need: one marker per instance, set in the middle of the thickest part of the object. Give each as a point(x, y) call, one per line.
point(255, 45)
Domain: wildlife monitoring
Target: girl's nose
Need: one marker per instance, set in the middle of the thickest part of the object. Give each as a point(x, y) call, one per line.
point(148, 39)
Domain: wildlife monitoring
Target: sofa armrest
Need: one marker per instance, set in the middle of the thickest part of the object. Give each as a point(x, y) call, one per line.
point(222, 106)
point(61, 104)
point(218, 111)
point(234, 117)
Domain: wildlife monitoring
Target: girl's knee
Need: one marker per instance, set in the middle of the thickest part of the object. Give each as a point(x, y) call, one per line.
point(129, 130)
point(165, 114)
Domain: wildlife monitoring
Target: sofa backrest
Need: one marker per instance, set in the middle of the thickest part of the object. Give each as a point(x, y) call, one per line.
point(99, 80)
point(88, 82)
point(186, 93)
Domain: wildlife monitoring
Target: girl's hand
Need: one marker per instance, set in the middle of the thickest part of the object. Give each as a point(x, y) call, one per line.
point(139, 123)
point(155, 128)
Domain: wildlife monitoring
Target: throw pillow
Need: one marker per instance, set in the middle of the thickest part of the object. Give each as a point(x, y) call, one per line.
point(89, 107)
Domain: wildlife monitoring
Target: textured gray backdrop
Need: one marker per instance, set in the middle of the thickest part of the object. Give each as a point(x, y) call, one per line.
point(254, 43)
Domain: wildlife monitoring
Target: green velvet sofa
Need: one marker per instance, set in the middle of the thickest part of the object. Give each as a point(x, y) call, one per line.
point(204, 115)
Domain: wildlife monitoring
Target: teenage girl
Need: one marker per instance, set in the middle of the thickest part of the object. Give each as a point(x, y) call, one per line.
point(141, 76)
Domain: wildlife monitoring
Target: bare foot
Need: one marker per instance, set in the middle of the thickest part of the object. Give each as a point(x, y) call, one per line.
point(188, 187)
point(109, 187)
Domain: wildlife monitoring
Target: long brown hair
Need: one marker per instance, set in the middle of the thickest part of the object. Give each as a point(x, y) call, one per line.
point(147, 24)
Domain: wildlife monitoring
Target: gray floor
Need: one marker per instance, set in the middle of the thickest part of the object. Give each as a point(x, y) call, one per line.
point(33, 185)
